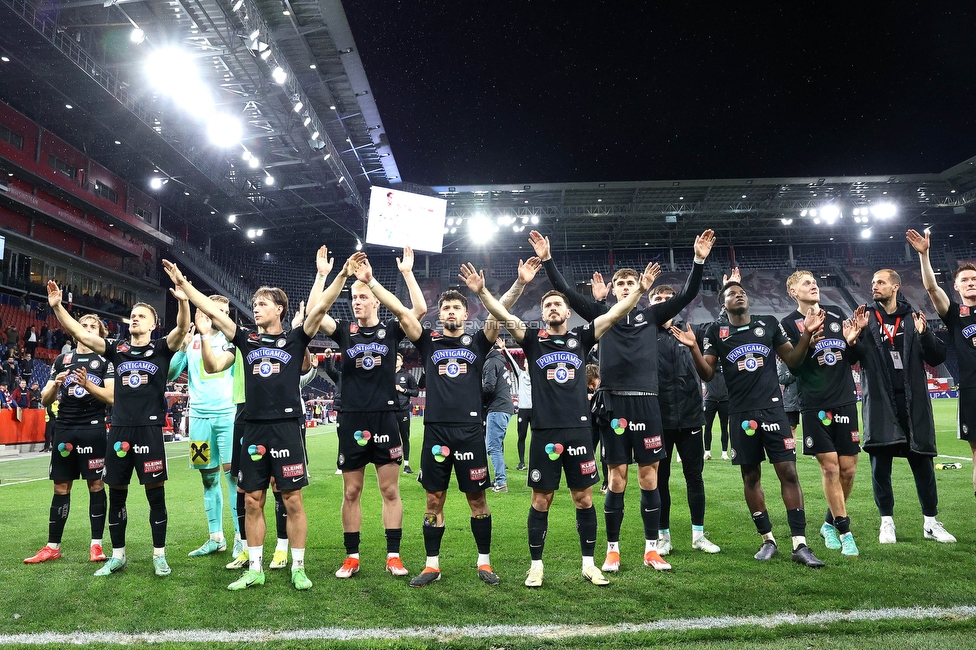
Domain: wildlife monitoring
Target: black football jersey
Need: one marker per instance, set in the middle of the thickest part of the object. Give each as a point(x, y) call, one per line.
point(825, 379)
point(368, 364)
point(557, 367)
point(140, 381)
point(453, 366)
point(77, 405)
point(272, 372)
point(961, 322)
point(748, 357)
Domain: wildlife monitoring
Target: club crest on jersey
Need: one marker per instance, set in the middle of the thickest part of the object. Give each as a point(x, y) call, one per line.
point(368, 362)
point(465, 340)
point(723, 332)
point(572, 344)
point(799, 324)
point(133, 372)
point(750, 363)
point(367, 350)
point(281, 343)
point(835, 327)
point(759, 331)
point(94, 364)
point(560, 374)
point(266, 368)
point(381, 334)
point(639, 318)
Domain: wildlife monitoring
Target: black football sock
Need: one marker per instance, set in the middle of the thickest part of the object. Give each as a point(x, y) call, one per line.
point(157, 515)
point(118, 518)
point(481, 528)
point(60, 505)
point(538, 527)
point(351, 542)
point(393, 537)
point(281, 516)
point(97, 502)
point(586, 527)
point(651, 512)
point(613, 513)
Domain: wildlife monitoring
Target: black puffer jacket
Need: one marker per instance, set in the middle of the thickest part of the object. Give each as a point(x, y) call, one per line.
point(679, 388)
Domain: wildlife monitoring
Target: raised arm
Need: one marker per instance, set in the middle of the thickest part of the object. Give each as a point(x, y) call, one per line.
point(922, 245)
point(174, 340)
point(212, 362)
point(623, 307)
point(588, 308)
point(476, 283)
point(665, 311)
point(704, 365)
point(328, 297)
point(220, 320)
point(417, 300)
point(91, 340)
point(315, 318)
point(410, 323)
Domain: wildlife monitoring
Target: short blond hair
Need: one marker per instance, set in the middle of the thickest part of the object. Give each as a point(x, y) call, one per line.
point(794, 279)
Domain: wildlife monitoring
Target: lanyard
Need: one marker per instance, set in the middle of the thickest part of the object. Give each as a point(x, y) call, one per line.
point(884, 328)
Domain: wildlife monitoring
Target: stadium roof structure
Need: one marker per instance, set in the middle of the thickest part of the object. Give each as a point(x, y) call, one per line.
point(745, 211)
point(79, 68)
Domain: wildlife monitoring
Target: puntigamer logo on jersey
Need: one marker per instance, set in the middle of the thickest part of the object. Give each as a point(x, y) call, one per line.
point(132, 372)
point(266, 359)
point(457, 361)
point(76, 389)
point(562, 360)
point(368, 355)
point(745, 357)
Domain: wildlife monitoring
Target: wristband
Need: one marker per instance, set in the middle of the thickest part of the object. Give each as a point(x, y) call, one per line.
point(205, 337)
point(699, 261)
point(372, 283)
point(320, 276)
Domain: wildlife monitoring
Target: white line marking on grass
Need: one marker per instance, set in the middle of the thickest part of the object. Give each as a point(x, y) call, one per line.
point(956, 457)
point(15, 481)
point(447, 633)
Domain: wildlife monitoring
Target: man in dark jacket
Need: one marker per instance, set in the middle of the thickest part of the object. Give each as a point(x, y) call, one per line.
point(406, 387)
point(680, 399)
point(893, 347)
point(496, 393)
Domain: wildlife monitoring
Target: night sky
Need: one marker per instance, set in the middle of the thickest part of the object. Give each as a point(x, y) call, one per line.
point(525, 91)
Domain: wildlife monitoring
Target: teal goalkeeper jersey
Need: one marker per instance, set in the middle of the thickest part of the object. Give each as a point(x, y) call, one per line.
point(211, 395)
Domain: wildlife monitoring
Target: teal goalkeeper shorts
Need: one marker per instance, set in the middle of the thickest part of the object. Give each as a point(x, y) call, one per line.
point(210, 441)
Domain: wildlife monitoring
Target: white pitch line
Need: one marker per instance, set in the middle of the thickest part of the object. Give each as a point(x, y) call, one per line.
point(449, 633)
point(956, 457)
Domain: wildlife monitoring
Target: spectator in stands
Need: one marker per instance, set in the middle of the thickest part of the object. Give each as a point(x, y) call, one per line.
point(11, 372)
point(47, 334)
point(13, 337)
point(26, 365)
point(67, 347)
point(5, 401)
point(57, 339)
point(35, 395)
point(21, 396)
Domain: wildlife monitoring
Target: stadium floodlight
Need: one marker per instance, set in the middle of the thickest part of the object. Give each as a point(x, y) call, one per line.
point(480, 228)
point(450, 221)
point(137, 36)
point(237, 6)
point(327, 156)
point(306, 121)
point(279, 75)
point(359, 245)
point(816, 220)
point(865, 233)
point(254, 35)
point(250, 233)
point(225, 131)
point(259, 233)
point(156, 183)
point(453, 230)
point(266, 55)
point(535, 220)
point(253, 163)
point(169, 69)
point(231, 218)
point(803, 213)
point(269, 180)
point(786, 221)
point(315, 135)
point(830, 213)
point(298, 105)
point(884, 210)
point(813, 213)
point(246, 155)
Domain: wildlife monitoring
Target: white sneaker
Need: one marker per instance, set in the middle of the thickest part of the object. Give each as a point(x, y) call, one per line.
point(708, 455)
point(664, 545)
point(535, 577)
point(725, 455)
point(704, 545)
point(938, 533)
point(887, 534)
